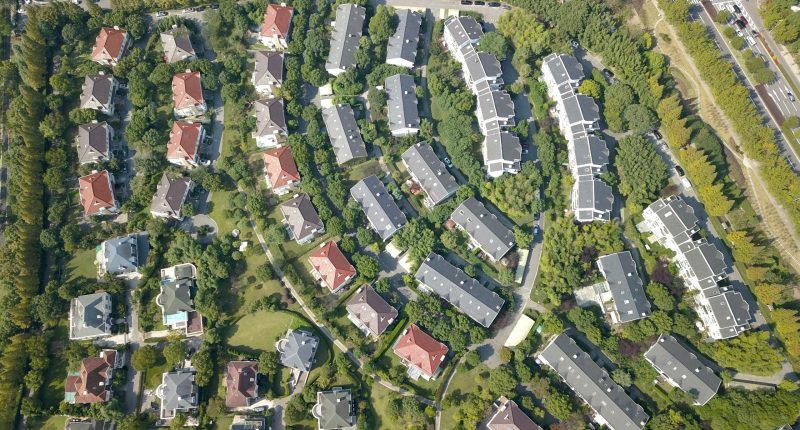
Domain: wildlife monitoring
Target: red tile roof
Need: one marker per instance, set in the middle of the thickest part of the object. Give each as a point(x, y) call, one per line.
point(241, 383)
point(187, 90)
point(277, 21)
point(109, 44)
point(421, 350)
point(332, 265)
point(96, 192)
point(184, 140)
point(92, 385)
point(280, 167)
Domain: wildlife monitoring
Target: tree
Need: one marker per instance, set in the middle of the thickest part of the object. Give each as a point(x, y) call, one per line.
point(737, 408)
point(501, 381)
point(622, 377)
point(268, 363)
point(641, 170)
point(523, 237)
point(660, 296)
point(558, 405)
point(639, 118)
point(494, 43)
point(175, 352)
point(618, 96)
point(418, 238)
point(749, 352)
point(787, 324)
point(275, 234)
point(714, 199)
point(382, 25)
point(366, 266)
point(146, 357)
point(591, 88)
point(82, 116)
point(770, 294)
point(744, 250)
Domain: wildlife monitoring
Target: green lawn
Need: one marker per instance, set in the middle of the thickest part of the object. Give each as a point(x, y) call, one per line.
point(379, 398)
point(82, 265)
point(223, 422)
point(367, 168)
point(55, 422)
point(259, 331)
point(462, 383)
point(52, 392)
point(152, 378)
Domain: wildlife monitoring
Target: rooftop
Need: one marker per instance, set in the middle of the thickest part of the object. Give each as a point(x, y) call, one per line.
point(430, 172)
point(342, 129)
point(382, 211)
point(684, 368)
point(345, 37)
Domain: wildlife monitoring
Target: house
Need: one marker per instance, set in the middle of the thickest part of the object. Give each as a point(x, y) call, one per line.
point(422, 354)
point(702, 266)
point(345, 37)
point(122, 256)
point(502, 153)
point(592, 200)
point(98, 93)
point(671, 222)
point(439, 276)
point(335, 410)
point(342, 129)
point(280, 171)
point(330, 266)
point(271, 128)
point(562, 74)
point(724, 315)
point(402, 48)
point(276, 27)
point(302, 219)
point(92, 382)
point(382, 211)
point(241, 382)
point(588, 156)
point(622, 282)
point(248, 422)
point(484, 229)
point(401, 105)
point(110, 46)
point(427, 170)
point(370, 312)
point(482, 72)
point(170, 196)
point(177, 45)
point(183, 148)
point(268, 71)
point(93, 142)
point(681, 367)
point(510, 417)
point(90, 316)
point(297, 349)
point(178, 393)
point(495, 110)
point(460, 32)
point(611, 405)
point(97, 194)
point(88, 424)
point(577, 115)
point(176, 296)
point(187, 95)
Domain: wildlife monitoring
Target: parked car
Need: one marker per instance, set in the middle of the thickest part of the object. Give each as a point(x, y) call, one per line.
point(679, 170)
point(736, 9)
point(466, 2)
point(657, 135)
point(535, 230)
point(608, 74)
point(199, 8)
point(447, 162)
point(494, 4)
point(162, 13)
point(790, 95)
point(739, 24)
point(214, 6)
point(188, 10)
point(575, 44)
point(479, 3)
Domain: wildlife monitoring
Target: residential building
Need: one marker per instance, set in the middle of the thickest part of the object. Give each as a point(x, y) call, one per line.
point(577, 115)
point(183, 148)
point(335, 410)
point(483, 228)
point(342, 129)
point(402, 48)
point(178, 393)
point(276, 26)
point(724, 315)
point(187, 95)
point(510, 417)
point(280, 171)
point(671, 222)
point(110, 46)
point(482, 72)
point(422, 354)
point(495, 110)
point(268, 72)
point(122, 256)
point(702, 266)
point(97, 194)
point(90, 316)
point(241, 383)
point(427, 170)
point(297, 349)
point(382, 211)
point(562, 74)
point(370, 312)
point(345, 37)
point(271, 129)
point(248, 422)
point(171, 194)
point(301, 219)
point(612, 406)
point(177, 45)
point(592, 200)
point(176, 296)
point(93, 142)
point(502, 153)
point(401, 105)
point(88, 424)
point(439, 276)
point(98, 93)
point(92, 382)
point(588, 156)
point(459, 32)
point(330, 266)
point(622, 282)
point(681, 367)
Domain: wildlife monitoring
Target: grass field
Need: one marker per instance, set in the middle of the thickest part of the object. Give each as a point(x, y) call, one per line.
point(462, 383)
point(153, 375)
point(259, 331)
point(54, 422)
point(379, 398)
point(82, 265)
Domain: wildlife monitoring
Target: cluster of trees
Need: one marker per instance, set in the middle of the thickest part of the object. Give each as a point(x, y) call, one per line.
point(783, 23)
point(338, 369)
point(642, 172)
point(758, 68)
point(517, 195)
point(445, 323)
point(756, 409)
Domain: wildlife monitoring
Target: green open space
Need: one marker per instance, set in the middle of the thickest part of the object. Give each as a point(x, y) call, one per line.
point(260, 330)
point(55, 422)
point(462, 383)
point(379, 399)
point(152, 377)
point(81, 265)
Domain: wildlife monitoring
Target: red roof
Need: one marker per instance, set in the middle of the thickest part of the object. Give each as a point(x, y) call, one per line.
point(279, 167)
point(277, 21)
point(184, 139)
point(96, 192)
point(187, 90)
point(241, 383)
point(421, 350)
point(332, 265)
point(109, 44)
point(93, 384)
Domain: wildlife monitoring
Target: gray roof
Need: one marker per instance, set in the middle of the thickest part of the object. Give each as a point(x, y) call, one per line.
point(503, 151)
point(496, 104)
point(731, 312)
point(176, 44)
point(590, 151)
point(430, 172)
point(248, 423)
point(683, 368)
point(481, 65)
point(464, 29)
point(98, 87)
point(342, 129)
point(706, 261)
point(335, 409)
point(125, 254)
point(465, 293)
point(301, 216)
point(345, 36)
point(89, 425)
point(298, 349)
point(372, 310)
point(269, 67)
point(404, 41)
point(594, 196)
point(402, 102)
point(593, 384)
point(677, 216)
point(179, 391)
point(581, 108)
point(90, 315)
point(176, 295)
point(625, 285)
point(93, 141)
point(564, 68)
point(484, 227)
point(170, 194)
point(382, 211)
point(270, 118)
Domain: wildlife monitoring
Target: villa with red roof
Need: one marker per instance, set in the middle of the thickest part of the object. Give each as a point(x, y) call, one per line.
point(330, 266)
point(276, 27)
point(183, 148)
point(187, 95)
point(92, 383)
point(97, 194)
point(422, 354)
point(241, 382)
point(280, 170)
point(110, 46)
